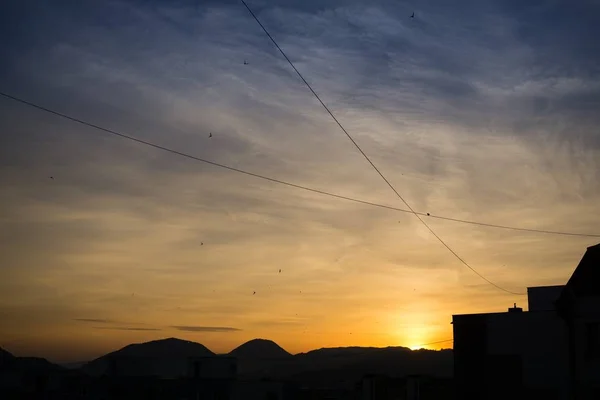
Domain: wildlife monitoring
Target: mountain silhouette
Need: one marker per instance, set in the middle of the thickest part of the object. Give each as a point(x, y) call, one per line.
point(171, 347)
point(5, 355)
point(6, 359)
point(158, 357)
point(333, 368)
point(340, 366)
point(260, 349)
point(74, 365)
point(330, 366)
point(37, 365)
point(26, 364)
point(261, 358)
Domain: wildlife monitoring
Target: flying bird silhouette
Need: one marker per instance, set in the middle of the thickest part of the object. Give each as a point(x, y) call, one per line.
point(210, 134)
point(201, 243)
point(245, 62)
point(413, 15)
point(52, 177)
point(279, 271)
point(253, 293)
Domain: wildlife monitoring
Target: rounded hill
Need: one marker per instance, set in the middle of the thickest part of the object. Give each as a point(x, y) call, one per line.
point(260, 348)
point(170, 347)
point(166, 350)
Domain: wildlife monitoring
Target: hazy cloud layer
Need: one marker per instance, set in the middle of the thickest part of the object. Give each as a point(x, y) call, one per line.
point(93, 320)
point(126, 328)
point(484, 111)
point(205, 328)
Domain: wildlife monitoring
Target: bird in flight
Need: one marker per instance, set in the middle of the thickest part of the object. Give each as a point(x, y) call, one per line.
point(210, 134)
point(201, 243)
point(253, 293)
point(52, 177)
point(245, 62)
point(413, 15)
point(279, 271)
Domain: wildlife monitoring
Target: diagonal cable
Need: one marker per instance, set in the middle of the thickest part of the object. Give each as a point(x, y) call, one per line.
point(371, 162)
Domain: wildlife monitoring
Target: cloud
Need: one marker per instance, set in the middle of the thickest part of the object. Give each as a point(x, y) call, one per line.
point(206, 328)
point(281, 323)
point(126, 328)
point(93, 320)
point(109, 321)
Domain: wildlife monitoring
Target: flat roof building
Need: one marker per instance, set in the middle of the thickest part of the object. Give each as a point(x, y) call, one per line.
point(551, 351)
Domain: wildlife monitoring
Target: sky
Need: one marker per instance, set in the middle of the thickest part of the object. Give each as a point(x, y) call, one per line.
point(476, 110)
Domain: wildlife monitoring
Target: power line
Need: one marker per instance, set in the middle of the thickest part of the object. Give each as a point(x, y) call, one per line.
point(372, 164)
point(514, 228)
point(322, 192)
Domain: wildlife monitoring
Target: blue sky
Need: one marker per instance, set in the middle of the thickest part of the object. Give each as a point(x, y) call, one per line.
point(482, 110)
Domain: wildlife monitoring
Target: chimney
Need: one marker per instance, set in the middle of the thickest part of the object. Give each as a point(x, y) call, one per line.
point(515, 309)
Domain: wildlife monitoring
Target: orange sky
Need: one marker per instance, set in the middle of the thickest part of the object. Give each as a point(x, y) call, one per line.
point(128, 243)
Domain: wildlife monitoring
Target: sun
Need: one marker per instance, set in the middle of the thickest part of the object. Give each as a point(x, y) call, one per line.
point(416, 337)
point(416, 330)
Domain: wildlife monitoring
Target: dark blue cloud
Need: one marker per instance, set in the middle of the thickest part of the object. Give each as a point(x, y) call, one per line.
point(562, 33)
point(127, 65)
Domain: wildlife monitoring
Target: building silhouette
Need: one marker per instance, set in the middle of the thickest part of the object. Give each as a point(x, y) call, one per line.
point(551, 351)
point(579, 306)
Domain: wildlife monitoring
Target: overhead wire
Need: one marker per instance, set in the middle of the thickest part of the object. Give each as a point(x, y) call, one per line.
point(514, 228)
point(458, 257)
point(289, 184)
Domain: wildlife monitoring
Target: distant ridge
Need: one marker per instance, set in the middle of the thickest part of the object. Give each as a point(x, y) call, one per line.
point(6, 359)
point(135, 359)
point(5, 354)
point(351, 350)
point(37, 364)
point(24, 365)
point(260, 349)
point(74, 365)
point(262, 358)
point(171, 347)
point(333, 364)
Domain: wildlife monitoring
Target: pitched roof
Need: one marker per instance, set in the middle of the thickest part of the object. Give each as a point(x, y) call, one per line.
point(585, 280)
